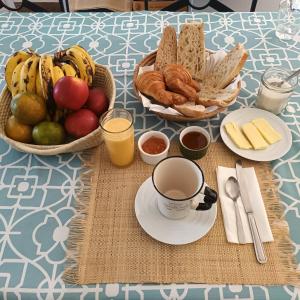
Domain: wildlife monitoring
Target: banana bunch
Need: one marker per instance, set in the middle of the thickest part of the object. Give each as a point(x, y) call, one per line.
point(27, 71)
point(80, 59)
point(31, 72)
point(15, 61)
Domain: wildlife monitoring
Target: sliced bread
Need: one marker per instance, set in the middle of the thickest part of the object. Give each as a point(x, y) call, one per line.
point(167, 49)
point(190, 109)
point(227, 69)
point(191, 49)
point(219, 97)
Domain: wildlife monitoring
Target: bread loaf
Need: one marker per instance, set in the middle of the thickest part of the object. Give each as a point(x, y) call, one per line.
point(191, 49)
point(227, 69)
point(219, 97)
point(167, 49)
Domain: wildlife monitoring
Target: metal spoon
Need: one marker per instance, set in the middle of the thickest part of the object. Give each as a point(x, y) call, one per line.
point(280, 83)
point(233, 191)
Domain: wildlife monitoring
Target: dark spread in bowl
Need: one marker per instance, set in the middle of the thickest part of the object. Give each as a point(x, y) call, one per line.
point(194, 140)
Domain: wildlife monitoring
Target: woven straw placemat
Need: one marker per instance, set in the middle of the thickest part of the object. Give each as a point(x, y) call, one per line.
point(106, 243)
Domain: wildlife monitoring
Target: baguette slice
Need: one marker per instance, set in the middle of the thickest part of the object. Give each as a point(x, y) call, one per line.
point(167, 49)
point(228, 68)
point(190, 109)
point(219, 97)
point(191, 49)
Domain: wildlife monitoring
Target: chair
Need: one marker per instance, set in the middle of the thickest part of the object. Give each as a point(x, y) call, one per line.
point(96, 5)
point(18, 5)
point(70, 5)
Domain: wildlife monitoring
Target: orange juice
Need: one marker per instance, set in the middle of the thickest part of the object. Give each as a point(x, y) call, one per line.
point(119, 140)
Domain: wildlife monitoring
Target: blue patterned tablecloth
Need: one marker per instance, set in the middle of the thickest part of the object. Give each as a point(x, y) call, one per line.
point(37, 193)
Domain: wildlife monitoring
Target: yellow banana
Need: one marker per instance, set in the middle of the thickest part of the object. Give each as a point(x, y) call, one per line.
point(38, 86)
point(12, 63)
point(46, 75)
point(57, 74)
point(87, 55)
point(74, 66)
point(15, 80)
point(28, 74)
point(85, 69)
point(68, 70)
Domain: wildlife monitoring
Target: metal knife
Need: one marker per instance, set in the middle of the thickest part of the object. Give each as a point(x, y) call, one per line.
point(258, 246)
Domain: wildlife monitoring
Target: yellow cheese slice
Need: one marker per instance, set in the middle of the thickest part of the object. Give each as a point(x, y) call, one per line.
point(253, 135)
point(237, 136)
point(267, 131)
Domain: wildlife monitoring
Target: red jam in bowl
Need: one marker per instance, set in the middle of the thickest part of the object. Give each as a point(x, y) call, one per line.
point(154, 145)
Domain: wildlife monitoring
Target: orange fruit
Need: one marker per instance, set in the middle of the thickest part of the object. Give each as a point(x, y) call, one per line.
point(18, 131)
point(48, 133)
point(28, 108)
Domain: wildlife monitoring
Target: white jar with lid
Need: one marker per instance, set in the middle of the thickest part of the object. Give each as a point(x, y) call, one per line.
point(271, 95)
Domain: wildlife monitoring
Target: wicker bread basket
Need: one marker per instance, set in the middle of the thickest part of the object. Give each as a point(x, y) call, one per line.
point(148, 61)
point(103, 78)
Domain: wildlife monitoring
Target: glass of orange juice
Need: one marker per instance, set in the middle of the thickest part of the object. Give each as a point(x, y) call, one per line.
point(118, 133)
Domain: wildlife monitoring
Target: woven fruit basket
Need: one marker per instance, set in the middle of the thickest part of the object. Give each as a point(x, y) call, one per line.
point(103, 78)
point(150, 60)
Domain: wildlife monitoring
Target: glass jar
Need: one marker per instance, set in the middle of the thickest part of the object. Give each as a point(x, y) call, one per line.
point(272, 95)
point(288, 19)
point(118, 134)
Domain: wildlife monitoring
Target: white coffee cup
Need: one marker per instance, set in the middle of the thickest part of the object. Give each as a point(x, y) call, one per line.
point(179, 182)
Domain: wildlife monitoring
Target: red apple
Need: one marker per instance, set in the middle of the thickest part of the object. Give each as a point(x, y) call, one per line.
point(70, 92)
point(97, 101)
point(81, 122)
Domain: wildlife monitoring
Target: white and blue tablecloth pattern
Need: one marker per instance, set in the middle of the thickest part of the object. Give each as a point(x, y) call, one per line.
point(37, 193)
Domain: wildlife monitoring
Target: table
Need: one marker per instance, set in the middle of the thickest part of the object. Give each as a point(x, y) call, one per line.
point(37, 193)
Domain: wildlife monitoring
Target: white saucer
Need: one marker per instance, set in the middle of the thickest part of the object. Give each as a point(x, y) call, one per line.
point(244, 115)
point(175, 232)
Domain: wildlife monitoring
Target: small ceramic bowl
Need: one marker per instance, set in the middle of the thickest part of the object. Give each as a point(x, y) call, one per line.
point(191, 153)
point(153, 159)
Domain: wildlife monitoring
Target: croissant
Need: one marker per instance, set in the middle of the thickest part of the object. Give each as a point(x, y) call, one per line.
point(179, 80)
point(152, 84)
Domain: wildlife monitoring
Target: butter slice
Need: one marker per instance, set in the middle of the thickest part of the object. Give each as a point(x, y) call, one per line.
point(253, 135)
point(237, 136)
point(267, 131)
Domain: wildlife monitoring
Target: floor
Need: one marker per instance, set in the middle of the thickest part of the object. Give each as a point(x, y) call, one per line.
point(243, 5)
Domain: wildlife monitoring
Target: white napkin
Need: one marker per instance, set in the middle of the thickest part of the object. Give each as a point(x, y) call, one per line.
point(257, 203)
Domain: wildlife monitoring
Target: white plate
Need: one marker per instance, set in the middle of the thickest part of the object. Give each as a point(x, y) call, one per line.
point(244, 115)
point(175, 232)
